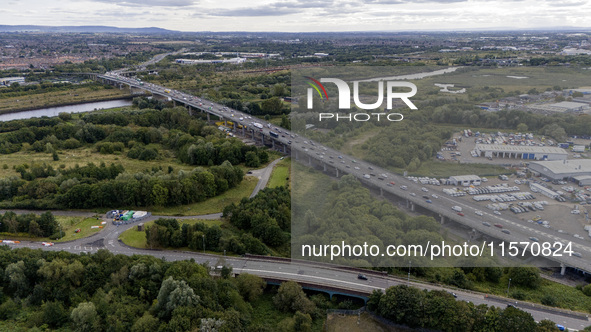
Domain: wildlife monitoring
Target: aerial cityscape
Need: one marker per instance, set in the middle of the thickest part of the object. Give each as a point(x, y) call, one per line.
point(379, 166)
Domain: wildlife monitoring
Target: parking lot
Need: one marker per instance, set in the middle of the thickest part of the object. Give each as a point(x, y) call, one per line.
point(544, 211)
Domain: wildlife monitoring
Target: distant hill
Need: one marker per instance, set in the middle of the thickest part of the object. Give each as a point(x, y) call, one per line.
point(81, 29)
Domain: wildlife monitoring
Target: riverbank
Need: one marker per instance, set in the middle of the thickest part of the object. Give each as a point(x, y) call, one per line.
point(60, 98)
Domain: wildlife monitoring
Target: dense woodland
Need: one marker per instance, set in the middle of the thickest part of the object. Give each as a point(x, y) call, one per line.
point(41, 290)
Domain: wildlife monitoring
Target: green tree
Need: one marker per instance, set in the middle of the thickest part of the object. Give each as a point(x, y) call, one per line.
point(522, 127)
point(513, 319)
point(145, 323)
point(272, 106)
point(252, 159)
point(85, 317)
point(159, 195)
point(291, 297)
point(54, 314)
point(250, 286)
point(525, 276)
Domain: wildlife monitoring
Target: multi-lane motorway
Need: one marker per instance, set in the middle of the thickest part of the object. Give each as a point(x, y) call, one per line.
point(334, 160)
point(520, 231)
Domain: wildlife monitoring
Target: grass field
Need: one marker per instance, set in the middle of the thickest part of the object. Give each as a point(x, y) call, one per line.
point(280, 175)
point(134, 238)
point(70, 224)
point(434, 168)
point(70, 96)
point(213, 205)
point(83, 156)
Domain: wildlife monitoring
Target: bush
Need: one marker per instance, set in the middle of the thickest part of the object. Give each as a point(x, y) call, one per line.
point(518, 295)
point(548, 300)
point(56, 236)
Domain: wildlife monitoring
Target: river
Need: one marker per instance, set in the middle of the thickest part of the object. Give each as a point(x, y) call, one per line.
point(54, 111)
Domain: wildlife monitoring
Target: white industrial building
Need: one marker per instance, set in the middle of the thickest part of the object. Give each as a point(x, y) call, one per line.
point(464, 180)
point(583, 180)
point(563, 169)
point(520, 152)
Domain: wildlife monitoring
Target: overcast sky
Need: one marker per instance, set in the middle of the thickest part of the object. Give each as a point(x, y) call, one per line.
point(301, 15)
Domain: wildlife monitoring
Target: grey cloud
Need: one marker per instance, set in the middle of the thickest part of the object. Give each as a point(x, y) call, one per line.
point(278, 8)
point(397, 2)
point(149, 3)
point(260, 11)
point(567, 3)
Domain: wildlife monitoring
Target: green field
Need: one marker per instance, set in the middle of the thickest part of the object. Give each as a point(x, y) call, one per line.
point(75, 95)
point(435, 168)
point(83, 156)
point(70, 224)
point(134, 238)
point(213, 205)
point(280, 175)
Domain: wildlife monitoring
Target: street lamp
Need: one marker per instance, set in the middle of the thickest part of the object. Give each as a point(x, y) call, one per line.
point(203, 237)
point(508, 287)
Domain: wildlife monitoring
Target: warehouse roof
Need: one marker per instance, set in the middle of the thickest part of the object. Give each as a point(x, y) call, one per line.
point(520, 148)
point(566, 166)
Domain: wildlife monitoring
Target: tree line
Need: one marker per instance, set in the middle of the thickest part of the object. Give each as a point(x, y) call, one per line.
point(262, 224)
point(42, 290)
point(168, 233)
point(439, 310)
point(43, 225)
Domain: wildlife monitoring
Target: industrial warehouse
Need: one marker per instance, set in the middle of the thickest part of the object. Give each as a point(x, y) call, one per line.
point(578, 170)
point(520, 152)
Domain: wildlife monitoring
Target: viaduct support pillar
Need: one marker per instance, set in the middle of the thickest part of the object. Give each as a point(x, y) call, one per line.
point(412, 206)
point(562, 269)
point(208, 118)
point(337, 172)
point(442, 219)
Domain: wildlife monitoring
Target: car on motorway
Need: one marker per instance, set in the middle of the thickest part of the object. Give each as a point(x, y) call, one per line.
point(392, 183)
point(497, 212)
point(361, 276)
point(357, 168)
point(535, 239)
point(429, 201)
point(498, 225)
point(425, 197)
point(371, 168)
point(506, 231)
point(47, 244)
point(413, 194)
point(403, 187)
point(479, 213)
point(486, 224)
point(460, 214)
point(560, 327)
point(434, 196)
point(578, 236)
point(424, 189)
point(578, 254)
